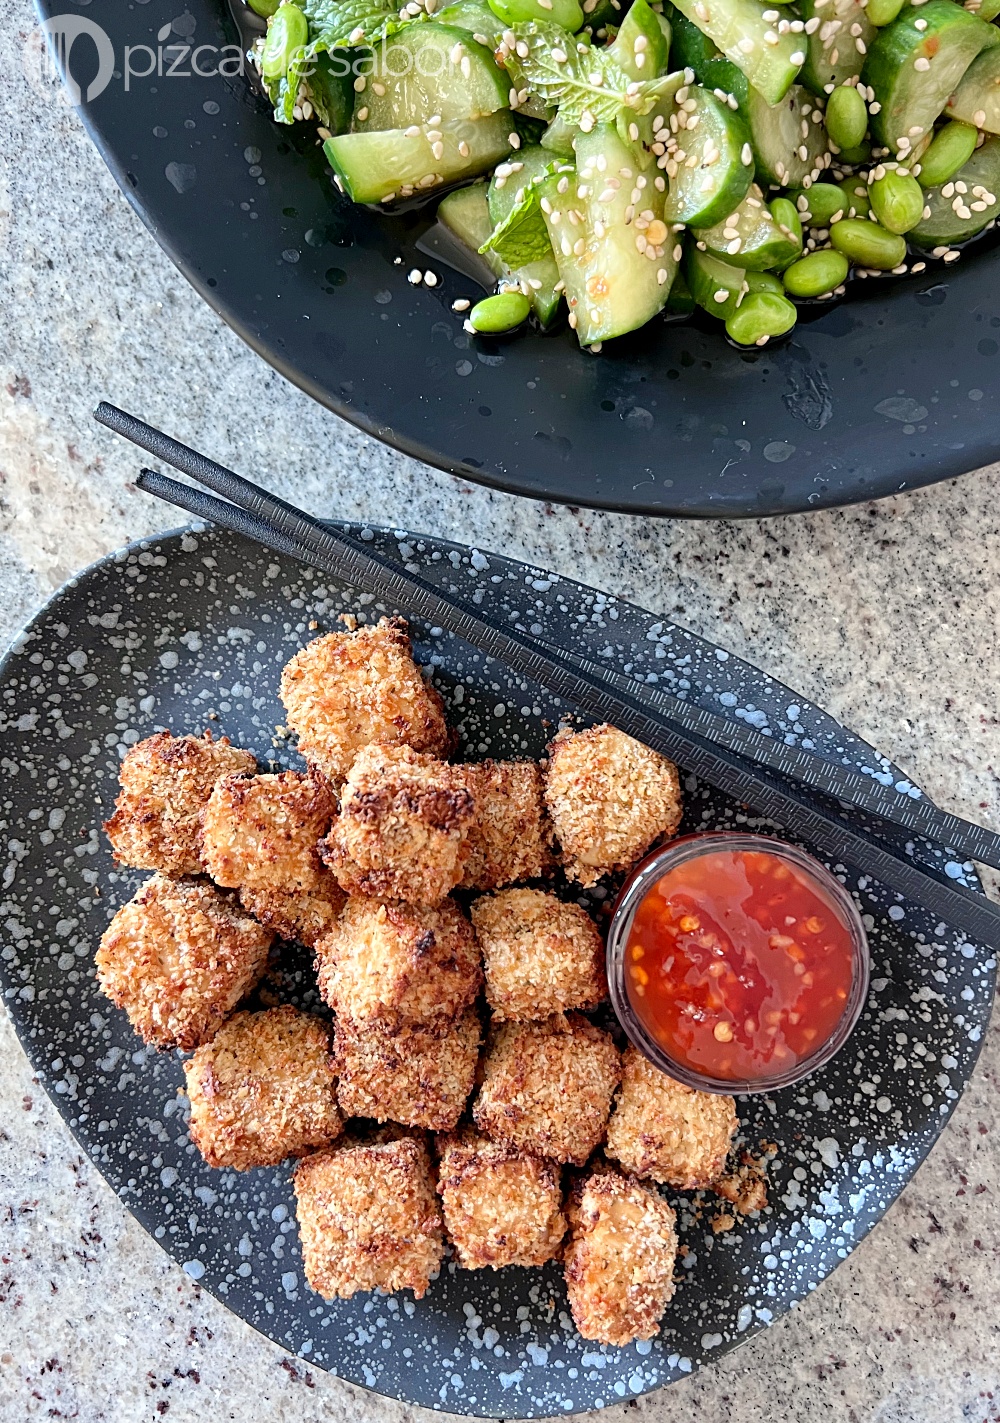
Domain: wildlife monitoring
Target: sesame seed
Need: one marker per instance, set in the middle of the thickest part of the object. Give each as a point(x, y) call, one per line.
point(413, 132)
point(678, 252)
point(746, 155)
point(572, 320)
point(434, 120)
point(362, 114)
point(463, 148)
point(559, 55)
point(462, 304)
point(415, 277)
point(359, 84)
point(922, 64)
point(979, 118)
point(952, 256)
point(721, 295)
point(797, 58)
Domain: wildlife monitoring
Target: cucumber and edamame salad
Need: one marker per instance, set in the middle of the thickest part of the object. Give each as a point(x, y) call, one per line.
point(617, 159)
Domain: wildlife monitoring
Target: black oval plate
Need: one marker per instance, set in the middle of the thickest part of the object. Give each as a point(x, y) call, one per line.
point(870, 397)
point(192, 630)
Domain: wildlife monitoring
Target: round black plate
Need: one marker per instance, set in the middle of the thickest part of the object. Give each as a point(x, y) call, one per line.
point(875, 395)
point(192, 630)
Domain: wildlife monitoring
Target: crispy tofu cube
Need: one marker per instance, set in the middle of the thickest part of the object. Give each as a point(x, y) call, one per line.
point(511, 837)
point(502, 1206)
point(610, 798)
point(402, 829)
point(392, 966)
point(619, 1262)
point(415, 1077)
point(666, 1131)
point(547, 1087)
point(263, 1089)
point(262, 833)
point(178, 958)
point(349, 690)
point(166, 782)
point(295, 914)
point(369, 1219)
point(540, 955)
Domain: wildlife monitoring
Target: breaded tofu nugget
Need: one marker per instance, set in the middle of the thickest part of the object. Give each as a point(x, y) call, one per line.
point(666, 1131)
point(610, 799)
point(511, 837)
point(402, 828)
point(540, 955)
point(369, 1219)
point(619, 1262)
point(178, 958)
point(263, 1089)
point(547, 1087)
point(348, 690)
point(414, 1077)
point(392, 966)
point(294, 914)
point(166, 782)
point(262, 832)
point(501, 1206)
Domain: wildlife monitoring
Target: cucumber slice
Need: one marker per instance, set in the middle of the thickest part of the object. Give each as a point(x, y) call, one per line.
point(912, 97)
point(754, 242)
point(739, 29)
point(331, 95)
point(946, 225)
point(396, 163)
point(474, 16)
point(690, 49)
point(977, 99)
point(426, 70)
point(528, 166)
point(788, 144)
point(466, 214)
point(985, 9)
point(719, 142)
point(611, 270)
point(832, 53)
point(717, 287)
point(597, 14)
point(558, 137)
point(640, 47)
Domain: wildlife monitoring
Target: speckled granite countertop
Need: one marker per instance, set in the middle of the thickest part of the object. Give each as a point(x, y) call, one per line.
point(886, 614)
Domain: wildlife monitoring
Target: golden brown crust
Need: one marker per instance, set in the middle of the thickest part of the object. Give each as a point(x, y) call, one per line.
point(178, 958)
point(369, 1219)
point(540, 955)
point(348, 690)
point(413, 1077)
point(263, 1089)
point(294, 914)
point(511, 837)
point(166, 782)
point(610, 799)
point(547, 1087)
point(501, 1205)
point(262, 833)
point(392, 966)
point(402, 829)
point(666, 1131)
point(619, 1263)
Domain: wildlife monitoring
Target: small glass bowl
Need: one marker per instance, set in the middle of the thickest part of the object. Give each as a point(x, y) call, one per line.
point(639, 885)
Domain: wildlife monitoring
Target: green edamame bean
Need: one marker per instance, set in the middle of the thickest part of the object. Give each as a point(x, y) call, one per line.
point(824, 201)
point(816, 274)
point(516, 12)
point(950, 149)
point(846, 117)
point(883, 12)
point(857, 202)
point(287, 33)
point(759, 316)
point(897, 202)
point(861, 154)
point(786, 215)
point(501, 312)
point(764, 282)
point(264, 8)
point(868, 245)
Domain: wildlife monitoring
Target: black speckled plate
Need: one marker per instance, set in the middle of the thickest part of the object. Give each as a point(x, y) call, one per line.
point(192, 630)
point(870, 397)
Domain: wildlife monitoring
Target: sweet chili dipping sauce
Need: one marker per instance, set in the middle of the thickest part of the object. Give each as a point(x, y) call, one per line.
point(743, 961)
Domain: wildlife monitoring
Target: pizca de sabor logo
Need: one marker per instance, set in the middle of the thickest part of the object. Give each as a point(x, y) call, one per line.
point(66, 32)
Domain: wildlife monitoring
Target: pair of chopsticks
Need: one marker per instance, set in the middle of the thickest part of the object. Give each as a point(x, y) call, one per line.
point(775, 782)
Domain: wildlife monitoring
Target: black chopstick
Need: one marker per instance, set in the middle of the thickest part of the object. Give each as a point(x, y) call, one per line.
point(787, 805)
point(961, 838)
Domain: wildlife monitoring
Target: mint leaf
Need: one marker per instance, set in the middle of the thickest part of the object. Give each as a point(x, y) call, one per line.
point(586, 86)
point(522, 237)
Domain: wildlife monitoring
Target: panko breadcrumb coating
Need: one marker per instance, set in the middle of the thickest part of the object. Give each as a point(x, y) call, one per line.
point(402, 828)
point(547, 1087)
point(501, 1206)
point(666, 1131)
point(540, 955)
point(262, 832)
point(511, 837)
point(166, 782)
point(178, 958)
point(392, 966)
point(414, 1077)
point(263, 1089)
point(294, 914)
point(610, 799)
point(349, 690)
point(619, 1263)
point(369, 1219)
